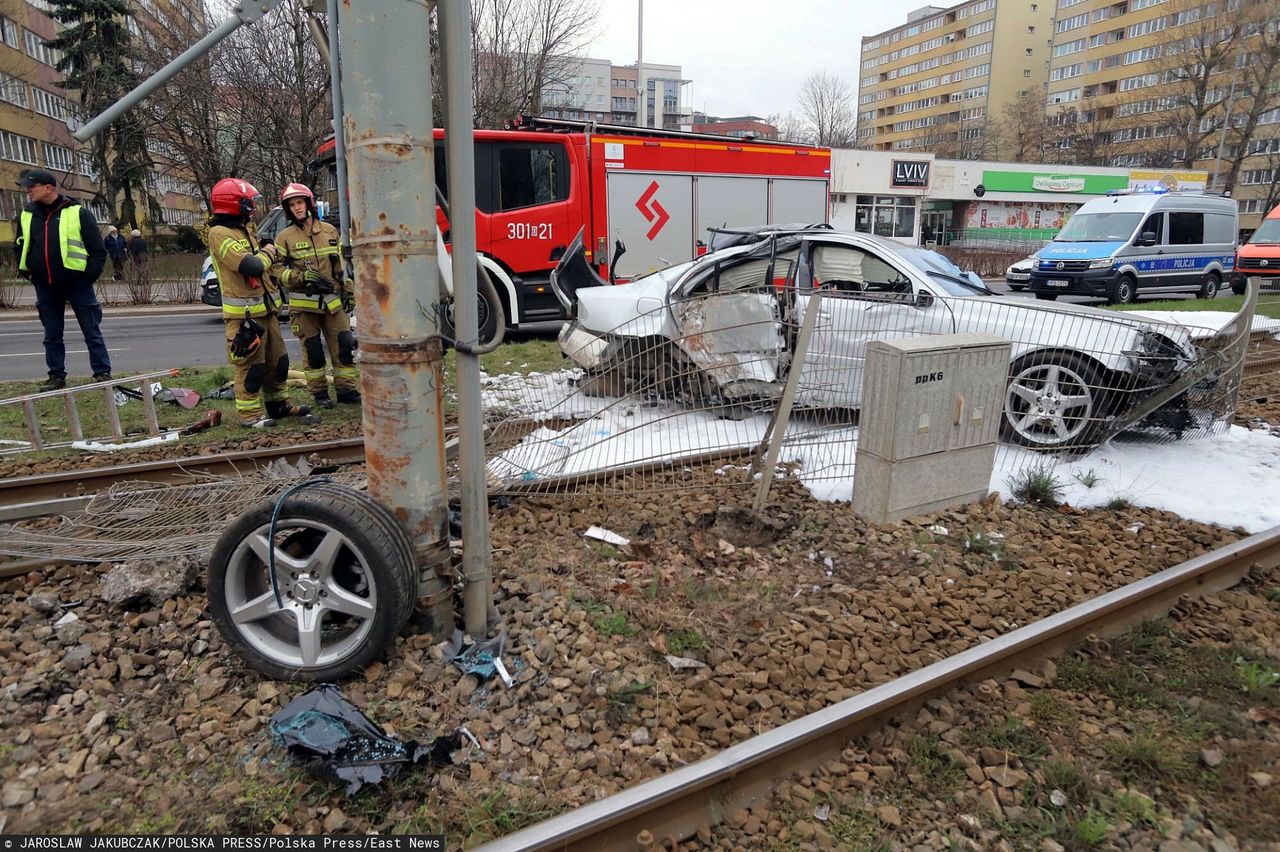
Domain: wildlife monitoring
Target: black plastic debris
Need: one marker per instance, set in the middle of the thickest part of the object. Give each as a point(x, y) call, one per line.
point(482, 659)
point(327, 734)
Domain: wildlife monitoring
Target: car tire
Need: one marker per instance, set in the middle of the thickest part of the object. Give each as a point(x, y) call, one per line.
point(1209, 289)
point(1053, 401)
point(346, 561)
point(1046, 297)
point(1124, 291)
point(1238, 288)
point(490, 315)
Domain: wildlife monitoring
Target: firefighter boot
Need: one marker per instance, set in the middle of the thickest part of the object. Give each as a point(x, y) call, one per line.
point(349, 397)
point(262, 422)
point(323, 400)
point(281, 408)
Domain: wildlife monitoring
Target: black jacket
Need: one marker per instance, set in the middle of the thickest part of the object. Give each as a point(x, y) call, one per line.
point(47, 267)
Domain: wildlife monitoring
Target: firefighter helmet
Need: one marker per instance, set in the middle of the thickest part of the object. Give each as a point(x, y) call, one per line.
point(235, 197)
point(297, 190)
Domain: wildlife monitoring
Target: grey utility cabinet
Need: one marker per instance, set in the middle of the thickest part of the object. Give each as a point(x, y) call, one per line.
point(930, 418)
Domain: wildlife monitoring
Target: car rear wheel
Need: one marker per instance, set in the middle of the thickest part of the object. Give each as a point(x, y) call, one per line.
point(1209, 289)
point(1052, 401)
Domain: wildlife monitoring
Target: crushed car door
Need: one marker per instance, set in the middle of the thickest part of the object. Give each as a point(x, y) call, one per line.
point(729, 324)
point(865, 298)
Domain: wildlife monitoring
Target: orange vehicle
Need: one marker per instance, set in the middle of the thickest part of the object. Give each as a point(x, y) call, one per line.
point(1261, 255)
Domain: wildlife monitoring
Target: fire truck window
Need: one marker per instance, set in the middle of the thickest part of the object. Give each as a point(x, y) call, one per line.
point(531, 174)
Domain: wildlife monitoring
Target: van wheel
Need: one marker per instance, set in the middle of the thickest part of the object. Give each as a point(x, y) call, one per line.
point(1124, 291)
point(1239, 286)
point(1209, 289)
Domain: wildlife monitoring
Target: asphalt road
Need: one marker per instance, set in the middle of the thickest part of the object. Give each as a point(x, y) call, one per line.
point(139, 343)
point(189, 339)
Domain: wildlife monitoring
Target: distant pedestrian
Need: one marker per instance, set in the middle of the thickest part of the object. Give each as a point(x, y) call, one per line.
point(138, 251)
point(61, 251)
point(116, 249)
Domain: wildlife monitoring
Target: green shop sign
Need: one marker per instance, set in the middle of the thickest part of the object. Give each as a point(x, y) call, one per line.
point(1049, 182)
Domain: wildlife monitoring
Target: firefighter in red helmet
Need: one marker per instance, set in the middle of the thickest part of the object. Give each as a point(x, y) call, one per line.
point(249, 304)
point(309, 266)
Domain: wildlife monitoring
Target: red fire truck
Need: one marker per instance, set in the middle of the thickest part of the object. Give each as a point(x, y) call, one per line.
point(657, 191)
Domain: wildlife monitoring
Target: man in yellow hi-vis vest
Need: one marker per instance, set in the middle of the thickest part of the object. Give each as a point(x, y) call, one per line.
point(309, 266)
point(249, 305)
point(60, 249)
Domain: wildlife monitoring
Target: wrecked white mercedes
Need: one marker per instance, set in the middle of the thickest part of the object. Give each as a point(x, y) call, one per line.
point(721, 331)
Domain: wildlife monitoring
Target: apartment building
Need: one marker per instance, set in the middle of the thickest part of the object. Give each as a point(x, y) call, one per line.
point(933, 83)
point(1127, 87)
point(598, 90)
point(36, 114)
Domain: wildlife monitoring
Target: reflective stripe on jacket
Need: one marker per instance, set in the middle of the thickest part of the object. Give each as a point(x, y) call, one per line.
point(312, 245)
point(241, 296)
point(70, 240)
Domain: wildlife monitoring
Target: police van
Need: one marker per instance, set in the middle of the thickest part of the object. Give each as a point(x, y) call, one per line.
point(1140, 241)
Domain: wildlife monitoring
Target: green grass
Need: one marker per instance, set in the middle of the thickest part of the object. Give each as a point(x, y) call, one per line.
point(614, 623)
point(1092, 828)
point(1037, 485)
point(1146, 755)
point(681, 642)
point(621, 702)
point(1011, 735)
point(1268, 305)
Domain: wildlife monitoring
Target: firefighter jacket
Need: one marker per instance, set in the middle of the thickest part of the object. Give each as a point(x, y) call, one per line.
point(60, 243)
point(311, 245)
point(247, 288)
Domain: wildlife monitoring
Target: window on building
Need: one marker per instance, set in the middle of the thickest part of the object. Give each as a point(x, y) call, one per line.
point(1026, 72)
point(47, 103)
point(19, 149)
point(9, 32)
point(13, 90)
point(57, 158)
point(885, 215)
point(1186, 229)
point(38, 50)
point(530, 174)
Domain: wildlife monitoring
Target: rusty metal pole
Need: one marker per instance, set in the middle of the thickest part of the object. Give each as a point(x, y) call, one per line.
point(459, 120)
point(386, 88)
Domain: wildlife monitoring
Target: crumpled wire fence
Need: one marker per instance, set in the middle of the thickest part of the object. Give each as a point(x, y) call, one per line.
point(142, 520)
point(686, 396)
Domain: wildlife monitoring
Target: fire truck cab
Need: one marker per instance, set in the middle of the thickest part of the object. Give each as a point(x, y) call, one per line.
point(656, 191)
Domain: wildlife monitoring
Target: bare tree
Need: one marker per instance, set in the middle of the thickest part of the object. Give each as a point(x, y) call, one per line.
point(524, 49)
point(1023, 131)
point(1257, 93)
point(1080, 137)
point(962, 137)
point(257, 106)
point(1190, 77)
point(791, 127)
point(827, 108)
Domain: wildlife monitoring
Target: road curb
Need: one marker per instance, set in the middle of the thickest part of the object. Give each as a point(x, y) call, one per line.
point(24, 313)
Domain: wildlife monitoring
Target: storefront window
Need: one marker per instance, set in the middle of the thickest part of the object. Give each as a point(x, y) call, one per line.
point(886, 215)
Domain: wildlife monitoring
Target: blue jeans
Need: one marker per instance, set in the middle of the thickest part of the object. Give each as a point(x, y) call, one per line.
point(51, 303)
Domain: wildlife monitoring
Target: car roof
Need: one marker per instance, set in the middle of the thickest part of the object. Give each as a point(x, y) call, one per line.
point(1143, 202)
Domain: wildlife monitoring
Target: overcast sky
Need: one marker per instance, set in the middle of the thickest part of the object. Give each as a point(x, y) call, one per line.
point(747, 56)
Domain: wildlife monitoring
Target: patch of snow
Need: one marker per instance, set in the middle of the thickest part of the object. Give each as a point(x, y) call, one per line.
point(1207, 320)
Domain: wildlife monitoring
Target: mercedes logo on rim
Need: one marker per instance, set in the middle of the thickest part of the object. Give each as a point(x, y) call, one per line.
point(1061, 265)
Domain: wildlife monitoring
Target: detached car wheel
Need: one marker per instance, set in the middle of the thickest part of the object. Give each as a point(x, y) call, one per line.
point(345, 575)
point(1053, 401)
